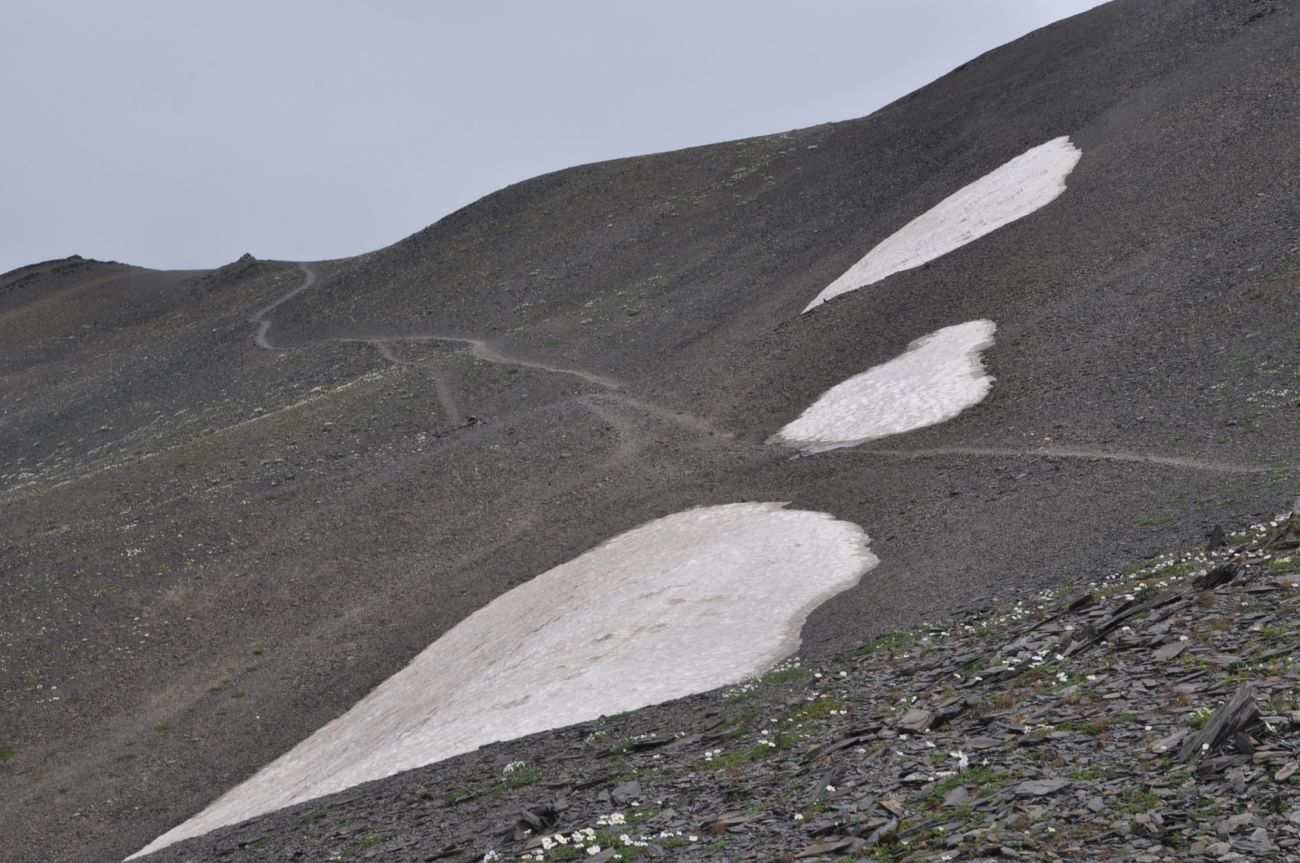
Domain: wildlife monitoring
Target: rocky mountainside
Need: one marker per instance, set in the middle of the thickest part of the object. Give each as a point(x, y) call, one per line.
point(233, 502)
point(1151, 717)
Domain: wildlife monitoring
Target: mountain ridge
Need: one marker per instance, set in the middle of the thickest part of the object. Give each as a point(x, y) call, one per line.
point(183, 505)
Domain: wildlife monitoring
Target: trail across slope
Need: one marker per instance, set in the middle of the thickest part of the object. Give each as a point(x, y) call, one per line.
point(478, 347)
point(482, 350)
point(261, 319)
point(1067, 452)
point(445, 398)
point(614, 393)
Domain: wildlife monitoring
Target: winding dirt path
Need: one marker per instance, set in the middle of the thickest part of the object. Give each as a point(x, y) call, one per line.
point(481, 350)
point(1066, 452)
point(264, 324)
point(446, 400)
point(478, 347)
point(484, 351)
point(614, 394)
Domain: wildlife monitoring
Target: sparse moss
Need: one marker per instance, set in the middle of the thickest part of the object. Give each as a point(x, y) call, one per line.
point(893, 641)
point(744, 756)
point(521, 778)
point(784, 675)
point(817, 710)
point(316, 815)
point(460, 795)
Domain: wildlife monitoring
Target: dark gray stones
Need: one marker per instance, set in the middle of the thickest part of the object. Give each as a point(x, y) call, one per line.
point(626, 793)
point(916, 720)
point(1060, 757)
point(1169, 650)
point(956, 797)
point(1237, 716)
point(1041, 787)
point(1218, 576)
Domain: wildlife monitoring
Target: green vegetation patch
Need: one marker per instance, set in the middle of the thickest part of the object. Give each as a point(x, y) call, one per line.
point(893, 641)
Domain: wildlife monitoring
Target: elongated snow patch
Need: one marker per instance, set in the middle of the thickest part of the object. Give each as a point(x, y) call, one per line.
point(680, 605)
point(1026, 183)
point(938, 377)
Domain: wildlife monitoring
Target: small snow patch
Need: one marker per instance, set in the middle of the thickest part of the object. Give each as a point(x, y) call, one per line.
point(683, 604)
point(1025, 184)
point(938, 377)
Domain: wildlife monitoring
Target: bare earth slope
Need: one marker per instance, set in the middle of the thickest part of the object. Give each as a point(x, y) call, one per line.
point(231, 504)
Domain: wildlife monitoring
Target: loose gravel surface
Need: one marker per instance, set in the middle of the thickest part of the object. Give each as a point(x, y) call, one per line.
point(212, 544)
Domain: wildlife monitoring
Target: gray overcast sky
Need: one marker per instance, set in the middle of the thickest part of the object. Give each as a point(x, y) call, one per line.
point(182, 133)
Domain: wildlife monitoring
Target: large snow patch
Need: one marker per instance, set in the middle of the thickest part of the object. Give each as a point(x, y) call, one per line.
point(938, 377)
point(1018, 188)
point(680, 605)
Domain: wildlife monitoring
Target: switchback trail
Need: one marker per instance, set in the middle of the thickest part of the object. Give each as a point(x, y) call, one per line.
point(478, 347)
point(482, 350)
point(264, 324)
point(445, 399)
point(614, 392)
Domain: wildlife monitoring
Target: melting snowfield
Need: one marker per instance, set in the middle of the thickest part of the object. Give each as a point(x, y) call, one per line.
point(1018, 188)
point(938, 377)
point(680, 605)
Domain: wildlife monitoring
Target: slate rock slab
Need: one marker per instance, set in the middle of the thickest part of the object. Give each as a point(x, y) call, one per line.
point(1041, 787)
